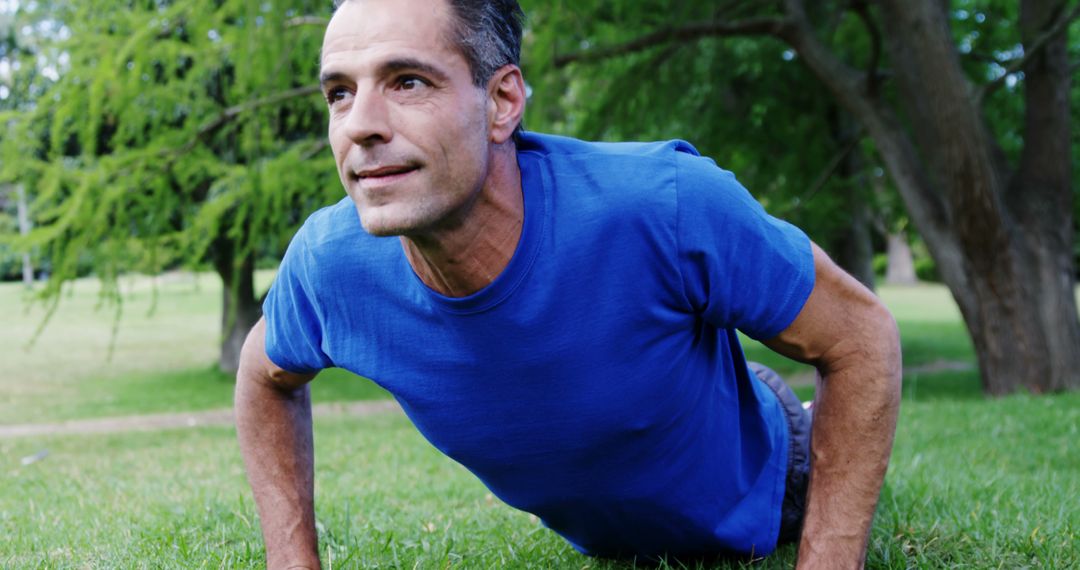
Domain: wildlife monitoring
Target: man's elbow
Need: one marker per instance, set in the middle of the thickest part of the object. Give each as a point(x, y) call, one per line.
point(253, 357)
point(882, 336)
point(868, 353)
point(256, 367)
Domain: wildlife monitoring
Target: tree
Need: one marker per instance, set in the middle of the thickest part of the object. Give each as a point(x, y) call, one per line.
point(184, 132)
point(968, 107)
point(28, 65)
point(738, 100)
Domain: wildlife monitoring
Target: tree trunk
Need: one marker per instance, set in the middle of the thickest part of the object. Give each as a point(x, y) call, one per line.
point(1000, 293)
point(996, 245)
point(24, 229)
point(855, 251)
point(240, 308)
point(901, 267)
point(1040, 194)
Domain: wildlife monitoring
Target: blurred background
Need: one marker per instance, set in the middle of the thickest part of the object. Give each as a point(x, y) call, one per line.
point(157, 156)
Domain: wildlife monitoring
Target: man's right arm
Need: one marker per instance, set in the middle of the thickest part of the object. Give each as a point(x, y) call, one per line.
point(273, 424)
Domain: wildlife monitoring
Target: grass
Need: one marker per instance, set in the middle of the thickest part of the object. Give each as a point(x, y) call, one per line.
point(162, 359)
point(974, 483)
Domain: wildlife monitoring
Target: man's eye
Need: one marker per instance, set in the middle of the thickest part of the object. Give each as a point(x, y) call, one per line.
point(411, 83)
point(336, 94)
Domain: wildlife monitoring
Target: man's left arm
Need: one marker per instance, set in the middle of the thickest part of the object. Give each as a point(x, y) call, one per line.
point(852, 339)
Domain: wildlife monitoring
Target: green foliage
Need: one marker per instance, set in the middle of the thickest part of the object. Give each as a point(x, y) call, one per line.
point(926, 269)
point(747, 101)
point(175, 126)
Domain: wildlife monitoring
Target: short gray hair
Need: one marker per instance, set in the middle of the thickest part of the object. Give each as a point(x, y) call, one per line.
point(488, 33)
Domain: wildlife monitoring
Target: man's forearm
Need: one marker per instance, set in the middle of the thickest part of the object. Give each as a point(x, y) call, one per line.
point(274, 429)
point(855, 415)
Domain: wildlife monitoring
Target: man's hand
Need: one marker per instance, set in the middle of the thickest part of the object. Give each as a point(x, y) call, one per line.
point(851, 338)
point(273, 424)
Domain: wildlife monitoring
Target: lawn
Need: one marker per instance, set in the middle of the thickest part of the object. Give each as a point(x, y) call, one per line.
point(160, 356)
point(974, 483)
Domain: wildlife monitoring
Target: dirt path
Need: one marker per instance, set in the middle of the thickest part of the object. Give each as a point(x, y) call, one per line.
point(174, 421)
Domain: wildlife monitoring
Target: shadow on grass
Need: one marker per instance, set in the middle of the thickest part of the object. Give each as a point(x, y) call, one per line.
point(949, 385)
point(925, 342)
point(961, 386)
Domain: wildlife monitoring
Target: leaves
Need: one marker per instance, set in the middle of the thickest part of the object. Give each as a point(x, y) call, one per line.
point(745, 101)
point(178, 123)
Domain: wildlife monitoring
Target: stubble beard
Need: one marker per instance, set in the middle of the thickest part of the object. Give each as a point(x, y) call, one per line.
point(417, 218)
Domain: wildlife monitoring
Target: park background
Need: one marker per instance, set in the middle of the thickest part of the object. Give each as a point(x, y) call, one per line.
point(158, 155)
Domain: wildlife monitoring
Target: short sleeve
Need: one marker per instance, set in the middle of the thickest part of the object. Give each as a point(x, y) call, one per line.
point(741, 267)
point(294, 325)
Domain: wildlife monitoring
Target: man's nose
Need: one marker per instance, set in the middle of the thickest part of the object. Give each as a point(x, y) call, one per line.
point(368, 121)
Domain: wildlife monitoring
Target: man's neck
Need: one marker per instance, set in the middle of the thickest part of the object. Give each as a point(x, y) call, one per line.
point(467, 257)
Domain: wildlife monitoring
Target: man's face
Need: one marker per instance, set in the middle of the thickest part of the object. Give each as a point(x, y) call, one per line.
point(408, 128)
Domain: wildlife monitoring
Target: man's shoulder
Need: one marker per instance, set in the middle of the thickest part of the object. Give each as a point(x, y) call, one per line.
point(631, 173)
point(556, 147)
point(627, 166)
point(330, 225)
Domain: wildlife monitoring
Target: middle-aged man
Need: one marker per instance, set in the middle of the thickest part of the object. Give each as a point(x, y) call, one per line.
point(559, 316)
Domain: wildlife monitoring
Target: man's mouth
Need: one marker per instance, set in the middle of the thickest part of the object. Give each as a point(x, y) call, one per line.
point(385, 172)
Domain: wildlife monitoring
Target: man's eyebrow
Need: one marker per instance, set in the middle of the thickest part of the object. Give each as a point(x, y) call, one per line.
point(330, 77)
point(411, 64)
point(388, 67)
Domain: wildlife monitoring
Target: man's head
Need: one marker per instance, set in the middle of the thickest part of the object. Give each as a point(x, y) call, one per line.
point(424, 98)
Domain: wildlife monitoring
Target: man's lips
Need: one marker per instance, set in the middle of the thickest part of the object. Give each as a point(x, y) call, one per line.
point(385, 171)
point(378, 178)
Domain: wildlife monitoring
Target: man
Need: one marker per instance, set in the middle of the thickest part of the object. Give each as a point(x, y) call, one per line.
point(560, 316)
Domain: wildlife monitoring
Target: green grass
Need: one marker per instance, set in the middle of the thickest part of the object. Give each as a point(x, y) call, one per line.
point(163, 354)
point(974, 483)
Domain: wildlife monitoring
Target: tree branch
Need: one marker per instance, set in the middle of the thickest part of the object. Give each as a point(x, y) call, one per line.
point(863, 11)
point(306, 21)
point(208, 128)
point(848, 86)
point(685, 33)
point(830, 169)
point(1030, 52)
point(315, 149)
point(986, 58)
point(231, 113)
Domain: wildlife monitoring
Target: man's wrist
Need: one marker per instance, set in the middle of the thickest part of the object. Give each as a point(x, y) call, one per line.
point(831, 552)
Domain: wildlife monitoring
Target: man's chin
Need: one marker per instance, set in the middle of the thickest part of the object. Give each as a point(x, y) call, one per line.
point(379, 224)
point(381, 229)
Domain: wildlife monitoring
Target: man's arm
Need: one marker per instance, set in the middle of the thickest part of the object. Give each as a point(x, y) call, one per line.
point(852, 339)
point(273, 424)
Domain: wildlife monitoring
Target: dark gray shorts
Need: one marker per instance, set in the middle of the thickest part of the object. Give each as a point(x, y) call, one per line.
point(798, 471)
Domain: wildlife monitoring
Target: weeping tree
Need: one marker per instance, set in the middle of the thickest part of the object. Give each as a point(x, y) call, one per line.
point(28, 65)
point(967, 104)
point(180, 133)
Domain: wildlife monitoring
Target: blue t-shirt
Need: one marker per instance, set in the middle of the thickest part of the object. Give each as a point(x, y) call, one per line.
point(598, 382)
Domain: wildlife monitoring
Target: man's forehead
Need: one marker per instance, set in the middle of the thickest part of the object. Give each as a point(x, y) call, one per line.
point(358, 25)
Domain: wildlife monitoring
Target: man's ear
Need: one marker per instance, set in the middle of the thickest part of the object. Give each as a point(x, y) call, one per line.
point(506, 96)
